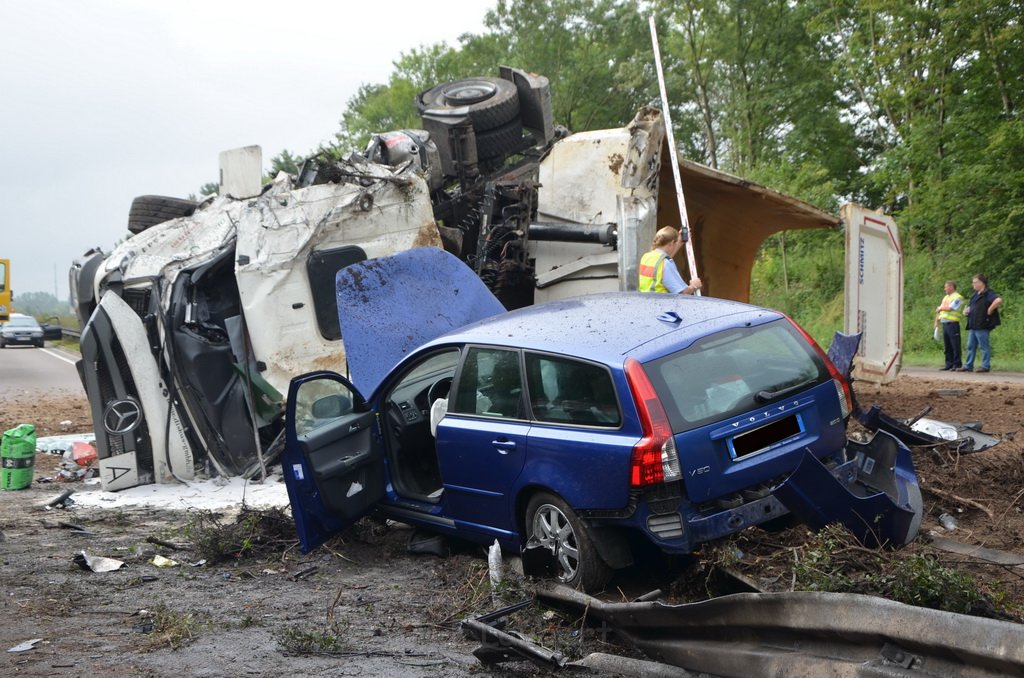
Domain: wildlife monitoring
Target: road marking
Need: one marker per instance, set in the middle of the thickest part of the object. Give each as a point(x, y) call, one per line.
point(58, 356)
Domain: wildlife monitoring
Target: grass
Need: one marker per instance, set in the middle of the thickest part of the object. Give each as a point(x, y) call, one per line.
point(324, 641)
point(174, 629)
point(832, 560)
point(812, 294)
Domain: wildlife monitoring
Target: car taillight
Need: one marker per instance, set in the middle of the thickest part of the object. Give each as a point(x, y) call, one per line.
point(842, 386)
point(654, 459)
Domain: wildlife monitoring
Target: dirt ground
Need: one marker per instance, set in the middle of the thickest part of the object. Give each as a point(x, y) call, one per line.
point(363, 605)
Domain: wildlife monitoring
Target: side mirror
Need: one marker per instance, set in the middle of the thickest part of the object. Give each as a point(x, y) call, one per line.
point(331, 407)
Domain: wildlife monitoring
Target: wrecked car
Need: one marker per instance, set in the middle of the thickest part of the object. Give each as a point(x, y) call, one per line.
point(194, 325)
point(574, 427)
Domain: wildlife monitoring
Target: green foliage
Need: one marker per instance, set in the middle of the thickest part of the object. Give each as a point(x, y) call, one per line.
point(42, 305)
point(323, 641)
point(254, 533)
point(831, 560)
point(174, 629)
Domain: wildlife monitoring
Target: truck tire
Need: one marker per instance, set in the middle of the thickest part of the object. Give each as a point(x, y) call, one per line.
point(150, 210)
point(553, 526)
point(500, 141)
point(489, 102)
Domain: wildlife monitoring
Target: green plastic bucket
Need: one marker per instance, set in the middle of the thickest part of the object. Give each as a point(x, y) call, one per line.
point(18, 457)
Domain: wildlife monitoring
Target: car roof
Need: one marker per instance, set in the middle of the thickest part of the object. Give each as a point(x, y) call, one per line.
point(608, 327)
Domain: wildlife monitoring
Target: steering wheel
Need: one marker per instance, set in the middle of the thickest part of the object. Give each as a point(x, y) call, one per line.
point(439, 389)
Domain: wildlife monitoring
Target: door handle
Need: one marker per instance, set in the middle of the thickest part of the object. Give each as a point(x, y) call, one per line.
point(504, 446)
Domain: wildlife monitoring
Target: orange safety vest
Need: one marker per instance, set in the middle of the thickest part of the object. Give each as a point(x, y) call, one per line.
point(651, 269)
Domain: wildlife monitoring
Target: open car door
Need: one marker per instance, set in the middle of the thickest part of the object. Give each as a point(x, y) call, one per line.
point(333, 459)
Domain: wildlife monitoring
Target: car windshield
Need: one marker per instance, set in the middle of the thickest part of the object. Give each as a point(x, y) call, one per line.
point(22, 322)
point(732, 372)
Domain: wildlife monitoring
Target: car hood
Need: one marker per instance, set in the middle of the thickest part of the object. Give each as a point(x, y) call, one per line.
point(390, 306)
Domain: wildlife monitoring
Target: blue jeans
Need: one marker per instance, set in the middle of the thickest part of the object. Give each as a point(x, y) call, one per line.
point(976, 338)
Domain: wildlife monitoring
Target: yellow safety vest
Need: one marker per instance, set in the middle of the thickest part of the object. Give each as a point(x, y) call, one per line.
point(651, 269)
point(954, 316)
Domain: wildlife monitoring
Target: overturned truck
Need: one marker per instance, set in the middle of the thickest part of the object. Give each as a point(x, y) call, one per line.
point(193, 326)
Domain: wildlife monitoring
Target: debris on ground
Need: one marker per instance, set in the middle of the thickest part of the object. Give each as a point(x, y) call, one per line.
point(27, 645)
point(97, 563)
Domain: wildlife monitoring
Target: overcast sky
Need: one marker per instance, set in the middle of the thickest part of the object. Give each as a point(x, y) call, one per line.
point(105, 100)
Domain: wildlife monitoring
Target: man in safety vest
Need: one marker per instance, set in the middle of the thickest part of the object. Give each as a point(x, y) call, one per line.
point(950, 313)
point(658, 272)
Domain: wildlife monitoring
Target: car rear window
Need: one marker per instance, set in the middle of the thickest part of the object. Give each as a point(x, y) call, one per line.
point(734, 371)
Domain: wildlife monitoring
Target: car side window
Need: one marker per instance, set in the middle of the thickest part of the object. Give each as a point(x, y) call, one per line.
point(568, 391)
point(320, 402)
point(490, 384)
point(322, 266)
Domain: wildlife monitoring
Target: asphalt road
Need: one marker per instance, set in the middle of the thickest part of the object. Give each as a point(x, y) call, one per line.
point(25, 370)
point(971, 377)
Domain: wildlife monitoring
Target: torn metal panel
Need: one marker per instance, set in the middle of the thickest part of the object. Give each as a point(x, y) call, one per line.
point(600, 177)
point(278, 235)
point(875, 494)
point(928, 432)
point(967, 437)
point(808, 634)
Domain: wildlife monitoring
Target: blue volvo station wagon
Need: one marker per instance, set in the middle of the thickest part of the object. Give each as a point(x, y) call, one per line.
point(570, 428)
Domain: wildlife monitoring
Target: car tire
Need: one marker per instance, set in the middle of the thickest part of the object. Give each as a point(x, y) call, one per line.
point(552, 525)
point(150, 210)
point(489, 102)
point(40, 344)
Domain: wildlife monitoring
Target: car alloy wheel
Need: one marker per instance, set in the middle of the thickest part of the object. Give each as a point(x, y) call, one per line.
point(554, 527)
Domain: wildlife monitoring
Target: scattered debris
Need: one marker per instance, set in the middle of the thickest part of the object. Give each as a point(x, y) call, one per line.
point(990, 555)
point(65, 443)
point(97, 563)
point(428, 543)
point(27, 645)
point(174, 546)
point(949, 496)
point(948, 522)
point(62, 500)
point(162, 562)
point(499, 646)
point(253, 533)
point(494, 569)
point(301, 574)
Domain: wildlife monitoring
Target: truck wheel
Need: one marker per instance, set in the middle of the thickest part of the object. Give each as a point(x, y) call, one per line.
point(150, 210)
point(552, 525)
point(489, 102)
point(501, 141)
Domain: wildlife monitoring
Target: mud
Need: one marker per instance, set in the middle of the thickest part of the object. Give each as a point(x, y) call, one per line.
point(390, 612)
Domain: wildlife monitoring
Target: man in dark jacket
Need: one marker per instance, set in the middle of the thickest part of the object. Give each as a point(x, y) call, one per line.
point(982, 318)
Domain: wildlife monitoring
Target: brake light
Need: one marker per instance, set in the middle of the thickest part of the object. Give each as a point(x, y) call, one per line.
point(654, 459)
point(842, 385)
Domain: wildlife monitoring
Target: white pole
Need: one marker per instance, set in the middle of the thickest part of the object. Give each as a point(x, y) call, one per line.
point(673, 158)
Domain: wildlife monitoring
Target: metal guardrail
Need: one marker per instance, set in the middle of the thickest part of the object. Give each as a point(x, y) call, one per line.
point(73, 334)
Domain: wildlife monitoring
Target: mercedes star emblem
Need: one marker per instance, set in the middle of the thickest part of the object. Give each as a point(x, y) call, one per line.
point(122, 416)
